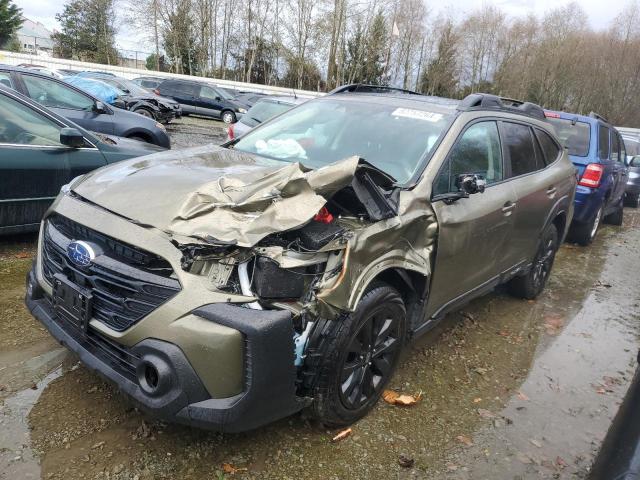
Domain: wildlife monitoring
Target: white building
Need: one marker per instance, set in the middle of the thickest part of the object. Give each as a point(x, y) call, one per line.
point(35, 38)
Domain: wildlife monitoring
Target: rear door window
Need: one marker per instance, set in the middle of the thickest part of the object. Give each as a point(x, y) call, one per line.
point(603, 142)
point(518, 139)
point(549, 147)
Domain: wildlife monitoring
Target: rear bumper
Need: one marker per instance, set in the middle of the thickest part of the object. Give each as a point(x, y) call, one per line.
point(178, 395)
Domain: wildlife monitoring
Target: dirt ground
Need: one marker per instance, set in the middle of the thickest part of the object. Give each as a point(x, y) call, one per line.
point(511, 389)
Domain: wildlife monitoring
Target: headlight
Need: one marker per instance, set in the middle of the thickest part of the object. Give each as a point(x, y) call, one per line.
point(160, 126)
point(242, 110)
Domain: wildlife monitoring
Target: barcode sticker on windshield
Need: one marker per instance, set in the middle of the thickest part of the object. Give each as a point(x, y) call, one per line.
point(417, 114)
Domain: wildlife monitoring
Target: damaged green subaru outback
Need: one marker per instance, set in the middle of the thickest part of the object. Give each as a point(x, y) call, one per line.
point(227, 287)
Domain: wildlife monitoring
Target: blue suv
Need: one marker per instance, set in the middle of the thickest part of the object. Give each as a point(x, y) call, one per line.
point(597, 150)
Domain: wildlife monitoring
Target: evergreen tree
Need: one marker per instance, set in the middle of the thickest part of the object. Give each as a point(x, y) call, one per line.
point(87, 31)
point(375, 51)
point(10, 21)
point(441, 75)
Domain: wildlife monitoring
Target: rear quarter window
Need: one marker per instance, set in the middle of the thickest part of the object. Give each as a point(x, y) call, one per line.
point(603, 142)
point(549, 147)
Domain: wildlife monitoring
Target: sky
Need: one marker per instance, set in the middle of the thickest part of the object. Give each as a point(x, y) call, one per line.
point(600, 12)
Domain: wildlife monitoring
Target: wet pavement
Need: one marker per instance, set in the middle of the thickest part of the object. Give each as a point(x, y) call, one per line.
point(511, 389)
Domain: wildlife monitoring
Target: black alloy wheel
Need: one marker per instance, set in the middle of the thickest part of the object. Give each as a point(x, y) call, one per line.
point(369, 358)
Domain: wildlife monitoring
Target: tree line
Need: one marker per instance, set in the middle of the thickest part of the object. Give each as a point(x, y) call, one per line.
point(557, 60)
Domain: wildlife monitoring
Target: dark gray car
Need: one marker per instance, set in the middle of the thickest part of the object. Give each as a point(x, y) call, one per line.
point(82, 108)
point(632, 146)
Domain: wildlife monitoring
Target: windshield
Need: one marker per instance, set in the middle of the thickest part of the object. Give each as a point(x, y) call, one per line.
point(320, 132)
point(574, 135)
point(134, 89)
point(263, 111)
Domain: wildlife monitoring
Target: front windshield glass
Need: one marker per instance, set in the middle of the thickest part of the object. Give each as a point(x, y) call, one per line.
point(320, 132)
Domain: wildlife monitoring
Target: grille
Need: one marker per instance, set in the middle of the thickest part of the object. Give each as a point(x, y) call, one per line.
point(117, 356)
point(126, 283)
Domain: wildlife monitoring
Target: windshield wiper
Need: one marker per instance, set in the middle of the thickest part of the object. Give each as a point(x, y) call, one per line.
point(255, 119)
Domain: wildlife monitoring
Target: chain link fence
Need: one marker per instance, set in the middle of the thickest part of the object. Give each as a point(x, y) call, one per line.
point(44, 47)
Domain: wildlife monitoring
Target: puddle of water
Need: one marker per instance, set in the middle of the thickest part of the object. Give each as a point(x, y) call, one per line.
point(16, 455)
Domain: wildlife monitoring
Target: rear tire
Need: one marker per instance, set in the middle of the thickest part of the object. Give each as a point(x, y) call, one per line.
point(615, 218)
point(532, 284)
point(351, 359)
point(584, 233)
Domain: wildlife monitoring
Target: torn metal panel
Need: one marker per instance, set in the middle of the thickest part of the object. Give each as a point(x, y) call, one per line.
point(406, 241)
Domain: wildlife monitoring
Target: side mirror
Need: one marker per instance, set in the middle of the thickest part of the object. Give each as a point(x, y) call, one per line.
point(99, 107)
point(119, 103)
point(71, 137)
point(470, 184)
point(634, 161)
point(218, 98)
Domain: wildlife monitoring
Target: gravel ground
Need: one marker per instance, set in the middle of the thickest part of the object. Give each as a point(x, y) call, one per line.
point(510, 389)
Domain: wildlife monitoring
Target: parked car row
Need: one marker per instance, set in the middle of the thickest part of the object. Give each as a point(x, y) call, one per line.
point(83, 108)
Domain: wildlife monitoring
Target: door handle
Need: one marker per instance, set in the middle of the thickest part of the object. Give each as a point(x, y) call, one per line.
point(508, 208)
point(551, 191)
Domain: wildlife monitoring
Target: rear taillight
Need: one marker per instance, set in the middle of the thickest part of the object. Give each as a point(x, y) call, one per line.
point(551, 114)
point(230, 133)
point(592, 175)
point(156, 91)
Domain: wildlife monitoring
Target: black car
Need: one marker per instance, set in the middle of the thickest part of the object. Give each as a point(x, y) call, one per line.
point(138, 99)
point(200, 98)
point(41, 151)
point(82, 108)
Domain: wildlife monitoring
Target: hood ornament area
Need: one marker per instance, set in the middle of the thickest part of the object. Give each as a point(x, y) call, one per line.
point(81, 253)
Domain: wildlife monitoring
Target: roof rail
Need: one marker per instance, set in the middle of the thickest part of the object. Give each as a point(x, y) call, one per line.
point(494, 102)
point(367, 88)
point(598, 116)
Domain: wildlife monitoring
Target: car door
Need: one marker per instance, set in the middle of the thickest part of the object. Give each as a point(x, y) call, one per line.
point(620, 170)
point(473, 232)
point(209, 102)
point(536, 188)
point(183, 93)
point(33, 163)
point(68, 102)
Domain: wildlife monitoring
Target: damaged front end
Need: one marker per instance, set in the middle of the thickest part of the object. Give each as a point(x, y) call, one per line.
point(311, 263)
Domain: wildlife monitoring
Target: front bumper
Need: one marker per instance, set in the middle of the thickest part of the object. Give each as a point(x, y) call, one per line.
point(176, 393)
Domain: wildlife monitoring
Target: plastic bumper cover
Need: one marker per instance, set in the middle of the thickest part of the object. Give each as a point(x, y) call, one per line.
point(270, 374)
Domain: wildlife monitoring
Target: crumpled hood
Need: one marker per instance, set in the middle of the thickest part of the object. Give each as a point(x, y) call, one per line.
point(214, 194)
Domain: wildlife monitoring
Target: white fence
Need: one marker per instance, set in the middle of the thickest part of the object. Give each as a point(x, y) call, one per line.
point(12, 58)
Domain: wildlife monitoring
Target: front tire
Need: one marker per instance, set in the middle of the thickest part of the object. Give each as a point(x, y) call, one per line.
point(532, 284)
point(350, 360)
point(228, 117)
point(145, 113)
